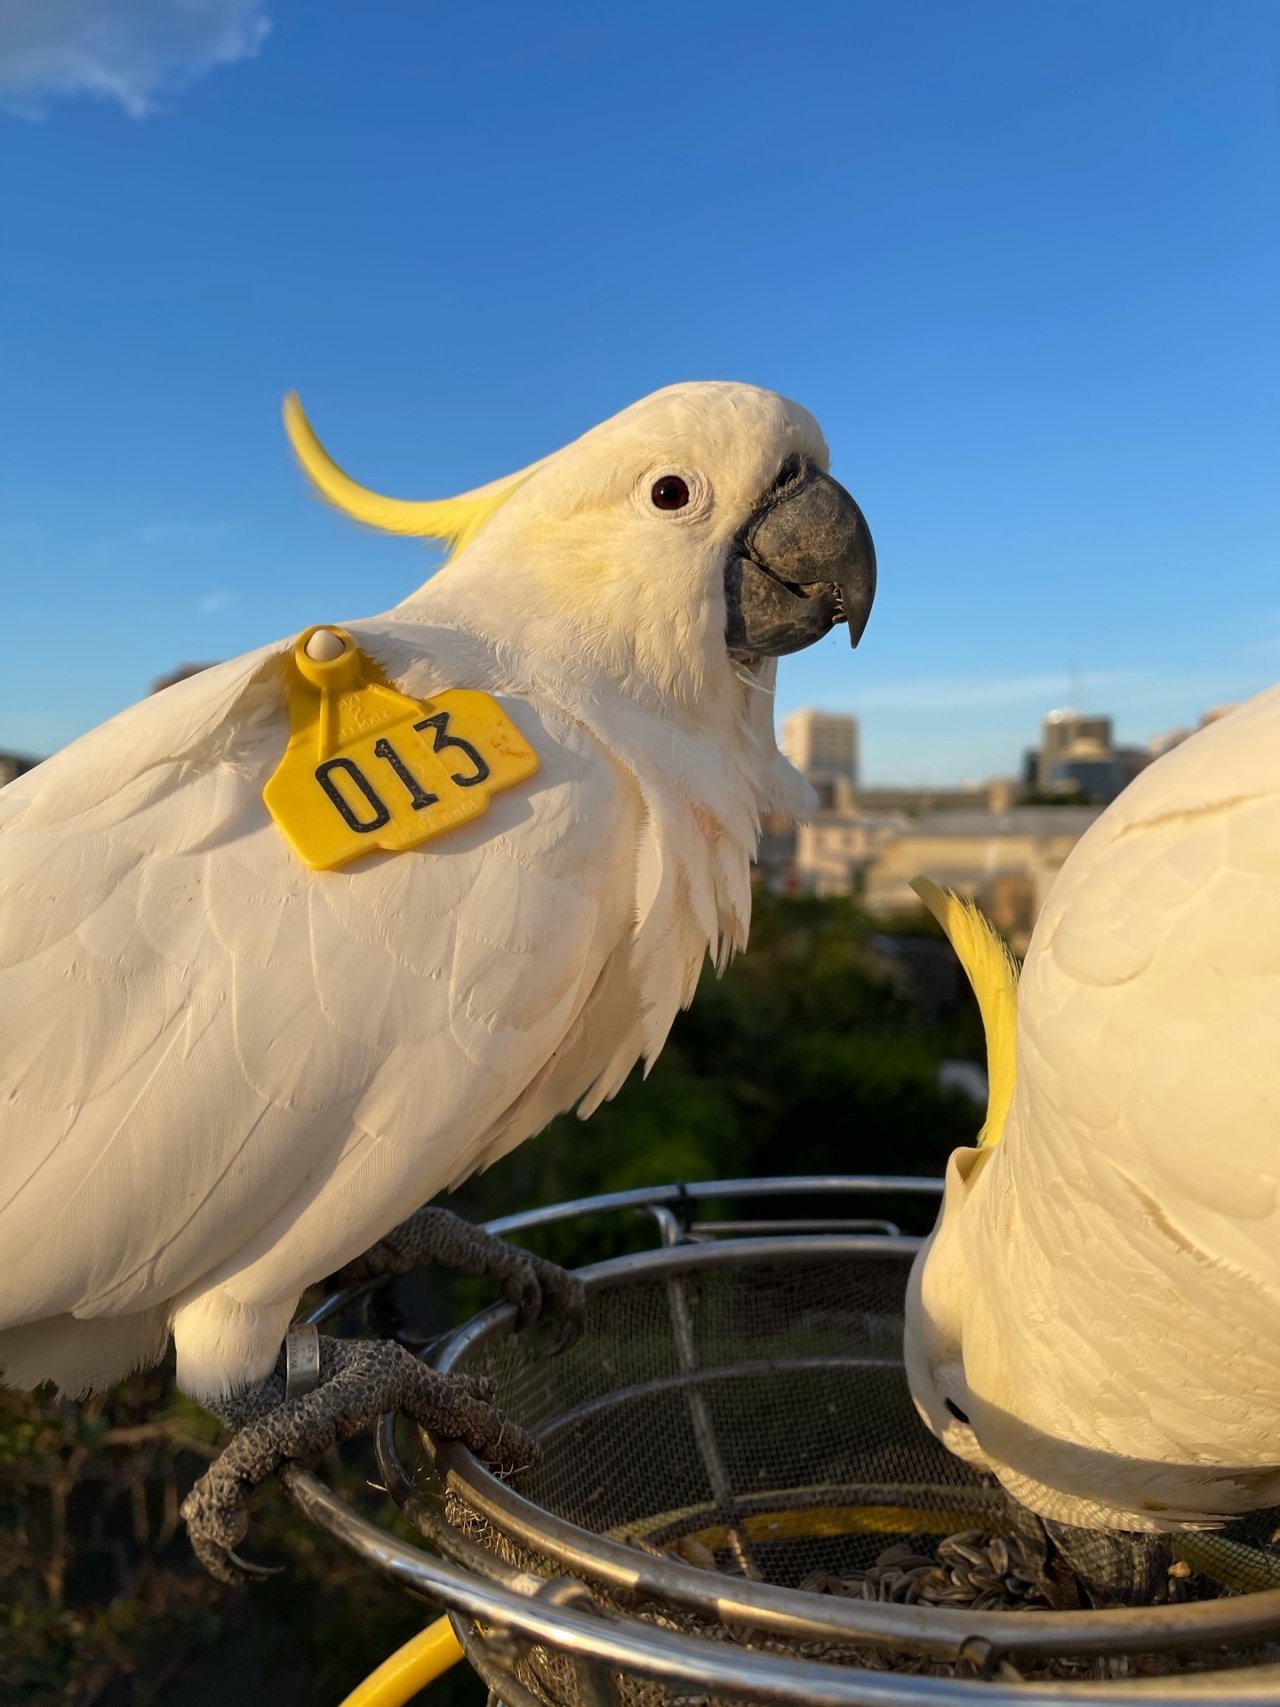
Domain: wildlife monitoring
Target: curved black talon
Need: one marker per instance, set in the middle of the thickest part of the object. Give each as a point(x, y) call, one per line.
point(245, 1568)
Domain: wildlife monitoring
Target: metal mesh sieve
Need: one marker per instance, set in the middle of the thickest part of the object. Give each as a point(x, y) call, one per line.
point(734, 1484)
point(746, 1409)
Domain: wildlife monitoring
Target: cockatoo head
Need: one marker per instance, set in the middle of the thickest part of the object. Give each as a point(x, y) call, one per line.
point(694, 533)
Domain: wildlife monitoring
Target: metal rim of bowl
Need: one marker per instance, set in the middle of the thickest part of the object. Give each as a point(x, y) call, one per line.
point(668, 1656)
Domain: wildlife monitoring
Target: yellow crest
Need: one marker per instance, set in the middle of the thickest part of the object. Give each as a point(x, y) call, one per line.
point(454, 521)
point(993, 973)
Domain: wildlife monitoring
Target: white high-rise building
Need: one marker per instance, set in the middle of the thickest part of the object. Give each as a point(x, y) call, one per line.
point(824, 746)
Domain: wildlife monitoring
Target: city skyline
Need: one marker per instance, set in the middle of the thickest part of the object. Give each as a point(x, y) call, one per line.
point(1001, 842)
point(997, 720)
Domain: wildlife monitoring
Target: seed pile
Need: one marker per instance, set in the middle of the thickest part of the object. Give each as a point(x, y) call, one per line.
point(970, 1570)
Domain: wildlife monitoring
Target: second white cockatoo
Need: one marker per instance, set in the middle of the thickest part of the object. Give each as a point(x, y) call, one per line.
point(1096, 1317)
point(305, 939)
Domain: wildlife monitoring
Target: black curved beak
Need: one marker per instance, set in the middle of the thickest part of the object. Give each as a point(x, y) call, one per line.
point(803, 563)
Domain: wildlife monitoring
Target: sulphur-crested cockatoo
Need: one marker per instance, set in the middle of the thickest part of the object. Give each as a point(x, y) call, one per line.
point(1096, 1317)
point(227, 1072)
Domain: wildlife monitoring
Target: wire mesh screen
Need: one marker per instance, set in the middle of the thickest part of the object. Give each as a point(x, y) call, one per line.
point(751, 1417)
point(720, 1388)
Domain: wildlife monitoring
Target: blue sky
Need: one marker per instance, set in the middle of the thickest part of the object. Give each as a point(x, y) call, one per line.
point(1022, 261)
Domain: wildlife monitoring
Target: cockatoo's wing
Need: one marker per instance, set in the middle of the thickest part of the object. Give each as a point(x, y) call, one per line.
point(223, 1070)
point(1149, 991)
point(1135, 1202)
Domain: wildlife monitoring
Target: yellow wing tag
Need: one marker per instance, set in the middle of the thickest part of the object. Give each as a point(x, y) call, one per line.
point(367, 767)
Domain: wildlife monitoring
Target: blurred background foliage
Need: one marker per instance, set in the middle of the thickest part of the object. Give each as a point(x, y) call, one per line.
point(818, 1052)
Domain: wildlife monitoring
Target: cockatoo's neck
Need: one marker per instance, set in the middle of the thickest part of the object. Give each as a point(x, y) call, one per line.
point(699, 719)
point(708, 771)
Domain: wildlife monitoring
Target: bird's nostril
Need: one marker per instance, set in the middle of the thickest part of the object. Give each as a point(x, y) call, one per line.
point(955, 1410)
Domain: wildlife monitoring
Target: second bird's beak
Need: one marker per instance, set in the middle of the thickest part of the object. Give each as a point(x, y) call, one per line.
point(803, 563)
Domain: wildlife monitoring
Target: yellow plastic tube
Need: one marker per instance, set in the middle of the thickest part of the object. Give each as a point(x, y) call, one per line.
point(423, 1659)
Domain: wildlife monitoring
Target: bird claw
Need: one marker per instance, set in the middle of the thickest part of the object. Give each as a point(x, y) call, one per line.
point(207, 1528)
point(567, 1331)
point(225, 1563)
point(534, 1286)
point(360, 1380)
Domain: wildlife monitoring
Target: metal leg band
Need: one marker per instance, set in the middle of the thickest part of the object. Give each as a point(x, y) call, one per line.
point(301, 1360)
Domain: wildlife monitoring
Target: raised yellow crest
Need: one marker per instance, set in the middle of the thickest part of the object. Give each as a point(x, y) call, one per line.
point(454, 521)
point(993, 973)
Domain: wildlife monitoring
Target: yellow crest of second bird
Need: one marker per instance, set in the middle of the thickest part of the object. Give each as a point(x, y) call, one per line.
point(993, 973)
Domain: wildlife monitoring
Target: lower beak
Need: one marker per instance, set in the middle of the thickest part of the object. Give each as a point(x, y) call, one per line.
point(803, 563)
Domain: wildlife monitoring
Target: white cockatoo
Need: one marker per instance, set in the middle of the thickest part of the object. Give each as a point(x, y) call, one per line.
point(1096, 1316)
point(226, 1074)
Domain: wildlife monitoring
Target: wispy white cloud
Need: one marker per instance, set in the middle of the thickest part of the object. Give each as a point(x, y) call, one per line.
point(213, 602)
point(132, 52)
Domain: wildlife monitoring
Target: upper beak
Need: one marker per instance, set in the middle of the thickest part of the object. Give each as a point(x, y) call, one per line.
point(803, 562)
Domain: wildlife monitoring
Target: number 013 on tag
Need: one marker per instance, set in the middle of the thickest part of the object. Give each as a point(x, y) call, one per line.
point(369, 768)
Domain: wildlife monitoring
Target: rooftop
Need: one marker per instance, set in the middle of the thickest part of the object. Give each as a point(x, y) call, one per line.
point(1017, 821)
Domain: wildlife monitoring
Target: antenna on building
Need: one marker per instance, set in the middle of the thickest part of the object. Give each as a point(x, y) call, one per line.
point(1077, 687)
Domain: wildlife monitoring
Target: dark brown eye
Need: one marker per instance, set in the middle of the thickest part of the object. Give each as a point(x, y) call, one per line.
point(669, 493)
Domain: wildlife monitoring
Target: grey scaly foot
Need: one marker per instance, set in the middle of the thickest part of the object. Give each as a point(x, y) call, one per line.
point(360, 1380)
point(1115, 1567)
point(531, 1283)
